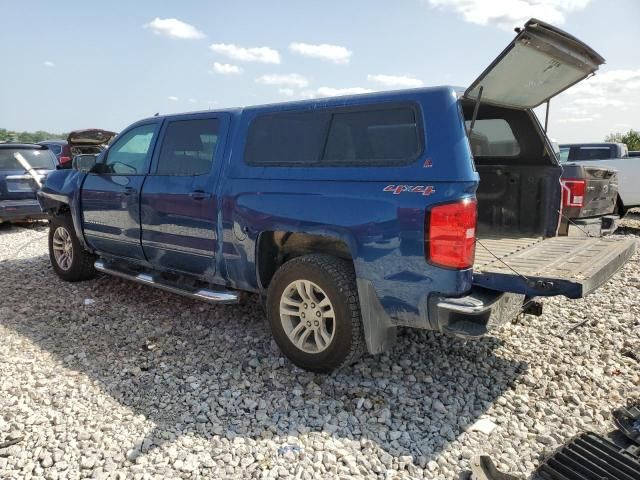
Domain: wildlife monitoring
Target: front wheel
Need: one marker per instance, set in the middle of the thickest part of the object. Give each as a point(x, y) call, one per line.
point(70, 261)
point(314, 314)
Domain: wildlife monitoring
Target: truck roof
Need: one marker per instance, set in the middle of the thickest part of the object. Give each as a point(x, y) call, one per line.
point(23, 146)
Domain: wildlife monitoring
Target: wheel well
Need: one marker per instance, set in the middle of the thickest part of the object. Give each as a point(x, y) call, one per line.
point(58, 209)
point(276, 247)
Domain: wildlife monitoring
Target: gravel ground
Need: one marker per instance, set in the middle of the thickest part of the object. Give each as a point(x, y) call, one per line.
point(108, 379)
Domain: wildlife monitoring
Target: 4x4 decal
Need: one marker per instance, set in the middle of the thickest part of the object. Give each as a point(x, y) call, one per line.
point(425, 190)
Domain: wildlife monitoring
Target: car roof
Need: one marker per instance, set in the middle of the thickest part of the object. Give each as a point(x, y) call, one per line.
point(596, 144)
point(24, 146)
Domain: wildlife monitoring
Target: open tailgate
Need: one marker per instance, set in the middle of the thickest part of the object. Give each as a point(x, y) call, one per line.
point(538, 64)
point(569, 266)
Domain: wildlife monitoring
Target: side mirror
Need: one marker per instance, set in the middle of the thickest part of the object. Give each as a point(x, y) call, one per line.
point(84, 163)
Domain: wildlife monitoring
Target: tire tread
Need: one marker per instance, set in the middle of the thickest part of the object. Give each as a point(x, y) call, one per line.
point(82, 267)
point(343, 275)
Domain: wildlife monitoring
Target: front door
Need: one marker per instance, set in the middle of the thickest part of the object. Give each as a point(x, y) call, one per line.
point(178, 203)
point(111, 198)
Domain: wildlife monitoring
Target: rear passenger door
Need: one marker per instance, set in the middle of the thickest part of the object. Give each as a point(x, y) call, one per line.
point(178, 202)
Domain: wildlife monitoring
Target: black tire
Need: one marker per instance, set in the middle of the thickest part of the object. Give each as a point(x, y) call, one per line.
point(620, 210)
point(336, 278)
point(81, 264)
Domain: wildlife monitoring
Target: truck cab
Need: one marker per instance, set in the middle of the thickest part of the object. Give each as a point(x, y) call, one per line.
point(351, 216)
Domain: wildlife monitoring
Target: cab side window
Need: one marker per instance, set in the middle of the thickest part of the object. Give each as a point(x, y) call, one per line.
point(189, 147)
point(130, 153)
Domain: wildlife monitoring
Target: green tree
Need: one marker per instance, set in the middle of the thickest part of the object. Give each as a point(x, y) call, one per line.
point(631, 139)
point(29, 137)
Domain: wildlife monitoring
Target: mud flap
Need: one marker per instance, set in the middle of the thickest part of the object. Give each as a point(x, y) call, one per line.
point(568, 266)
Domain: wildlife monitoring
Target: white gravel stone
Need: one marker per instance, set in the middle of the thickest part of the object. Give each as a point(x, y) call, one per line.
point(143, 384)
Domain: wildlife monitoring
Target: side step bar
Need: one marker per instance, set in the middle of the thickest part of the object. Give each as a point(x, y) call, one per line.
point(203, 294)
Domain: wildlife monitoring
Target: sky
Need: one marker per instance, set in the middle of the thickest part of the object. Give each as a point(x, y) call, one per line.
point(72, 65)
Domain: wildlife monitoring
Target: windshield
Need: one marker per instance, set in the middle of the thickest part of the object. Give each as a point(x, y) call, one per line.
point(55, 148)
point(564, 154)
point(43, 159)
point(492, 137)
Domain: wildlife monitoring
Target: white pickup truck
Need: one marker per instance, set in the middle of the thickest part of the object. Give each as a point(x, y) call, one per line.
point(614, 156)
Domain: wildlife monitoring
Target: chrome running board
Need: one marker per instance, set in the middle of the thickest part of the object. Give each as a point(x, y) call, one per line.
point(203, 294)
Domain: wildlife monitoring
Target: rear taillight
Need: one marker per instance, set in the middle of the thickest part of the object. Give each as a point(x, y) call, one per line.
point(65, 157)
point(573, 192)
point(450, 234)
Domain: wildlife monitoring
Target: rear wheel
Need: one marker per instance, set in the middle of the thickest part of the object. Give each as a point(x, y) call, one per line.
point(314, 314)
point(70, 261)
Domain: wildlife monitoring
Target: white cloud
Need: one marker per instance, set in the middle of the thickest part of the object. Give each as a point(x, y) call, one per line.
point(287, 80)
point(593, 108)
point(253, 54)
point(395, 81)
point(335, 92)
point(226, 69)
point(192, 100)
point(608, 83)
point(289, 92)
point(575, 120)
point(324, 51)
point(172, 98)
point(49, 64)
point(174, 28)
point(510, 13)
point(574, 110)
point(600, 102)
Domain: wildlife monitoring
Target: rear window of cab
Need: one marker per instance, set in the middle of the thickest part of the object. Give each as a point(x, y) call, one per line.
point(386, 135)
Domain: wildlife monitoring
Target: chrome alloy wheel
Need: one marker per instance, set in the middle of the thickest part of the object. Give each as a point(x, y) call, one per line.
point(307, 316)
point(62, 248)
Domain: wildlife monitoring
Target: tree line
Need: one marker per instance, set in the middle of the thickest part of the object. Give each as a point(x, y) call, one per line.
point(29, 137)
point(631, 139)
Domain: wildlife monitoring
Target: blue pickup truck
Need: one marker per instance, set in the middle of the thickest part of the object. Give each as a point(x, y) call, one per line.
point(430, 208)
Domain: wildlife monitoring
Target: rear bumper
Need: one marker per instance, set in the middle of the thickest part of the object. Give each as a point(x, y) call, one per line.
point(15, 210)
point(475, 314)
point(596, 227)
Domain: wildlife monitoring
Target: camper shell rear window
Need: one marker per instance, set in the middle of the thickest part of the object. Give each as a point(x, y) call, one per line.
point(389, 134)
point(509, 135)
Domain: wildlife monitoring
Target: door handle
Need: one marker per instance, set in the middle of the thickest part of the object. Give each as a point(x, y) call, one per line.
point(128, 191)
point(199, 195)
